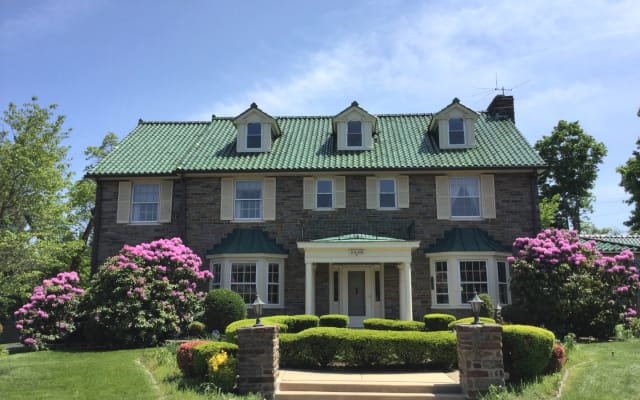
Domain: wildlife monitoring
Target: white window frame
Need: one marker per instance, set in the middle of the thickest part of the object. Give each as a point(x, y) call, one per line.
point(503, 284)
point(476, 285)
point(332, 193)
point(380, 193)
point(456, 132)
point(454, 280)
point(236, 201)
point(134, 203)
point(453, 196)
point(437, 283)
point(263, 263)
point(360, 134)
point(251, 134)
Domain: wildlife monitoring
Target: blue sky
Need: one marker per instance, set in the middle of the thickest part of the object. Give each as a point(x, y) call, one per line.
point(108, 63)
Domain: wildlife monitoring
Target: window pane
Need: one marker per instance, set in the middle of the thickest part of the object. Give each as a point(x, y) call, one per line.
point(144, 202)
point(387, 193)
point(248, 201)
point(354, 127)
point(336, 286)
point(254, 135)
point(324, 193)
point(273, 284)
point(456, 131)
point(243, 281)
point(354, 134)
point(473, 278)
point(442, 283)
point(216, 270)
point(377, 285)
point(465, 196)
point(325, 201)
point(503, 283)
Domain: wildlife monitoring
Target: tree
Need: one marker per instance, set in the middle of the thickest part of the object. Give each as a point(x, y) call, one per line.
point(572, 158)
point(548, 210)
point(630, 181)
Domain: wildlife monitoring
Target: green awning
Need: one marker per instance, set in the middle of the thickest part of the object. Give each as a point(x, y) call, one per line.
point(248, 241)
point(467, 240)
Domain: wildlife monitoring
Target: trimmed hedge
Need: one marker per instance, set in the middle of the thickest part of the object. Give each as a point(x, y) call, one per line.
point(287, 323)
point(222, 307)
point(526, 350)
point(324, 346)
point(203, 352)
point(469, 320)
point(197, 329)
point(382, 324)
point(299, 323)
point(184, 357)
point(438, 321)
point(334, 320)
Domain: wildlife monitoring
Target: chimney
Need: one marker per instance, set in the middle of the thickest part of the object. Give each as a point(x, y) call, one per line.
point(501, 107)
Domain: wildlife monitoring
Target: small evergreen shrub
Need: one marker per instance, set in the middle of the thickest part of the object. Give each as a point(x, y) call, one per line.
point(299, 323)
point(222, 307)
point(526, 350)
point(469, 320)
point(223, 371)
point(231, 333)
point(558, 359)
point(334, 320)
point(203, 352)
point(184, 357)
point(197, 329)
point(486, 308)
point(438, 321)
point(393, 325)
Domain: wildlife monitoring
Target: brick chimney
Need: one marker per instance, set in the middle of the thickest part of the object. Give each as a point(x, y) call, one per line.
point(501, 107)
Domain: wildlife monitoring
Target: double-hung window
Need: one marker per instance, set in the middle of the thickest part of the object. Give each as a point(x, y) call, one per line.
point(250, 277)
point(243, 280)
point(465, 196)
point(145, 201)
point(354, 134)
point(254, 135)
point(387, 193)
point(473, 278)
point(248, 199)
point(441, 285)
point(503, 282)
point(324, 193)
point(456, 131)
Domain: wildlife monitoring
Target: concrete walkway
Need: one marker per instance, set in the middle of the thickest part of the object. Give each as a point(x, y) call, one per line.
point(400, 377)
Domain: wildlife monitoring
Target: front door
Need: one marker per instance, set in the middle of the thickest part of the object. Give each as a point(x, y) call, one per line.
point(356, 292)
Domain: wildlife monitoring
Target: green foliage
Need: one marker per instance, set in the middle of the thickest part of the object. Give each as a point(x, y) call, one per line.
point(203, 352)
point(548, 207)
point(468, 320)
point(298, 323)
point(572, 157)
point(184, 357)
point(393, 325)
point(486, 308)
point(323, 346)
point(222, 307)
point(223, 371)
point(197, 329)
point(231, 333)
point(526, 350)
point(438, 321)
point(630, 181)
point(334, 320)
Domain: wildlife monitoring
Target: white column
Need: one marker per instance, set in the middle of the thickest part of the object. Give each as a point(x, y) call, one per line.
point(406, 302)
point(309, 289)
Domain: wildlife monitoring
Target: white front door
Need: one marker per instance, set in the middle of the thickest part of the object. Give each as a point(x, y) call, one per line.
point(356, 291)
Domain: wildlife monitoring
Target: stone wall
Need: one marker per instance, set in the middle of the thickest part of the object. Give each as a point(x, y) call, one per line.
point(258, 360)
point(479, 358)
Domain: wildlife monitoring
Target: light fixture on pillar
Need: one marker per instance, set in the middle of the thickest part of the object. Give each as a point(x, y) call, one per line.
point(258, 305)
point(476, 304)
point(497, 313)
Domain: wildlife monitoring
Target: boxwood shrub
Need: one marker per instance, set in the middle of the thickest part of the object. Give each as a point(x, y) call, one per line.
point(231, 333)
point(203, 352)
point(526, 350)
point(438, 321)
point(325, 346)
point(334, 320)
point(393, 325)
point(469, 320)
point(222, 307)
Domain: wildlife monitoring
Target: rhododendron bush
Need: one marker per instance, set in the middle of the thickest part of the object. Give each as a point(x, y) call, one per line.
point(568, 286)
point(145, 294)
point(50, 314)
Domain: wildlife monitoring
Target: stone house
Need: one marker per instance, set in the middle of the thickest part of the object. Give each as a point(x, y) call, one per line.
point(391, 215)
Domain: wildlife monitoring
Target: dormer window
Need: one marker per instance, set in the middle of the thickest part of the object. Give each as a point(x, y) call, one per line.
point(354, 134)
point(254, 135)
point(456, 131)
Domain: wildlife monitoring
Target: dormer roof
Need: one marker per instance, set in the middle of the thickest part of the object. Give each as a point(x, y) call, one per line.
point(255, 111)
point(354, 111)
point(454, 107)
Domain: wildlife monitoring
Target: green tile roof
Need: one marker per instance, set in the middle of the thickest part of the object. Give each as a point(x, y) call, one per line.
point(308, 144)
point(247, 241)
point(467, 239)
point(614, 243)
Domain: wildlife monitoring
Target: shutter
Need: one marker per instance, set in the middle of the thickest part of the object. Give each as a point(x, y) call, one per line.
point(266, 137)
point(367, 135)
point(308, 193)
point(241, 138)
point(488, 197)
point(443, 201)
point(226, 199)
point(269, 199)
point(372, 192)
point(403, 191)
point(166, 197)
point(124, 203)
point(342, 136)
point(340, 186)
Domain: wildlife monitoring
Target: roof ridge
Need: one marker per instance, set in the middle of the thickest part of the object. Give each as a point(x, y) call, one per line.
point(142, 122)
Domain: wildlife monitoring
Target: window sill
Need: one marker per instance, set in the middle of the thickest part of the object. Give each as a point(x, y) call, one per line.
point(145, 223)
point(247, 220)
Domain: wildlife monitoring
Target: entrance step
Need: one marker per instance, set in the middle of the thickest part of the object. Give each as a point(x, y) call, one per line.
point(306, 385)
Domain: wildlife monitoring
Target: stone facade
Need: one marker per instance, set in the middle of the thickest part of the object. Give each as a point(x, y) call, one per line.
point(196, 218)
point(258, 360)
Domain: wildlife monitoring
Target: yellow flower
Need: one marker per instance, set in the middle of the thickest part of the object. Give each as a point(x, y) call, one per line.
point(218, 360)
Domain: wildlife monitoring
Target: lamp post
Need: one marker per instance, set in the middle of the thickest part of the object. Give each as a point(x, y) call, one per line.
point(258, 305)
point(476, 304)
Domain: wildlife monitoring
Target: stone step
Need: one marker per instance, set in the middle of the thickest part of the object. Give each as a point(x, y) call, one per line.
point(364, 396)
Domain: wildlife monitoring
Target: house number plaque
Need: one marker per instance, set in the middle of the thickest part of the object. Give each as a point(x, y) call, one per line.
point(356, 252)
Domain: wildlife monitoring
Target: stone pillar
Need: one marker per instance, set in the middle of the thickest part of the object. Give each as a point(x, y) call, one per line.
point(479, 358)
point(258, 360)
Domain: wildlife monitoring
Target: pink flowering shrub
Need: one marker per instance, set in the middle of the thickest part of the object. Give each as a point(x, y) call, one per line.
point(50, 314)
point(568, 286)
point(144, 295)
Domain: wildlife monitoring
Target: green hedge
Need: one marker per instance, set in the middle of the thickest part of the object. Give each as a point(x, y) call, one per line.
point(324, 346)
point(526, 350)
point(438, 321)
point(334, 320)
point(231, 333)
point(202, 353)
point(382, 324)
point(469, 320)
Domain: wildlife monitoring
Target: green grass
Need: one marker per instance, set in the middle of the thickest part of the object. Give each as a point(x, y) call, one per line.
point(596, 371)
point(124, 374)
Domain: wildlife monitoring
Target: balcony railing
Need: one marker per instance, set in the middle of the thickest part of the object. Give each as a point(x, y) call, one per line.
point(404, 230)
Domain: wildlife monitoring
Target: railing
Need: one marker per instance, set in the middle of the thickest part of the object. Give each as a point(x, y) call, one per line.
point(404, 230)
